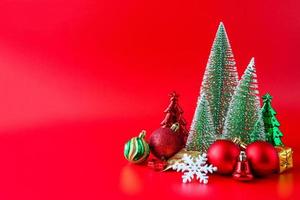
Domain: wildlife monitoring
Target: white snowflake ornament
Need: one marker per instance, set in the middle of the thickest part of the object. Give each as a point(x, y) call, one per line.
point(194, 167)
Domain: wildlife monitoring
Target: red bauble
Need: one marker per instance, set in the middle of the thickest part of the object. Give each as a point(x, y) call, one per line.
point(165, 142)
point(262, 157)
point(224, 155)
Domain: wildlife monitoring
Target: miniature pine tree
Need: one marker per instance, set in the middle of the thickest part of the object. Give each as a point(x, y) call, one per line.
point(244, 119)
point(174, 115)
point(202, 132)
point(273, 134)
point(220, 78)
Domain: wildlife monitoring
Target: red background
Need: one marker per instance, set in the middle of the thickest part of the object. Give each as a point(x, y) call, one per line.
point(78, 78)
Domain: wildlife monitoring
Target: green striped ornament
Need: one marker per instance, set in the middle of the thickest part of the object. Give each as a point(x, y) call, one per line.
point(137, 149)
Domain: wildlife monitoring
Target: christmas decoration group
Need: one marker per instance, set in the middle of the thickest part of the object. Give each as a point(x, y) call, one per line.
point(230, 132)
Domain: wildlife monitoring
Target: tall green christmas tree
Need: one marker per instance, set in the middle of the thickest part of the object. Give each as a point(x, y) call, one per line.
point(202, 132)
point(273, 134)
point(220, 78)
point(244, 119)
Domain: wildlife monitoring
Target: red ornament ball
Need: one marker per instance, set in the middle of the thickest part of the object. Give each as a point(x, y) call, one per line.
point(224, 155)
point(263, 158)
point(165, 142)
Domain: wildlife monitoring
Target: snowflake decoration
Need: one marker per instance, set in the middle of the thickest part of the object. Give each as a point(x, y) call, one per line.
point(194, 167)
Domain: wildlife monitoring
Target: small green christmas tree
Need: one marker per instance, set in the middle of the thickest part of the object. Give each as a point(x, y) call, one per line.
point(244, 119)
point(273, 133)
point(202, 132)
point(220, 78)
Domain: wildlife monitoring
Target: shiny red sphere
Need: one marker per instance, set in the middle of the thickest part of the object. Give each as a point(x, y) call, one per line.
point(224, 155)
point(164, 143)
point(263, 158)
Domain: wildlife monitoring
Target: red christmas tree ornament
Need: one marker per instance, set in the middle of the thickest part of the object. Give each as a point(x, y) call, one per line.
point(263, 158)
point(174, 115)
point(165, 142)
point(242, 170)
point(224, 155)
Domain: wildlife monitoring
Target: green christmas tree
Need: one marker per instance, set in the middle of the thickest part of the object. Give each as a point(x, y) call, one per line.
point(273, 134)
point(220, 78)
point(202, 132)
point(244, 119)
